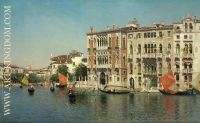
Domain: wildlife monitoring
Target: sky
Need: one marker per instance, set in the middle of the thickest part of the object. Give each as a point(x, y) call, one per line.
point(44, 27)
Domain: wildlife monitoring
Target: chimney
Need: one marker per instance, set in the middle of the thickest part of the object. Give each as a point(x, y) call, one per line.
point(114, 26)
point(91, 29)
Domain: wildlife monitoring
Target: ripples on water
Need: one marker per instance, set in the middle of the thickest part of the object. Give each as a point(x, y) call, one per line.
point(92, 106)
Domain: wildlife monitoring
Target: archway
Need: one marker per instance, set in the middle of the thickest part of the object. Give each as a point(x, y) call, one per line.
point(131, 81)
point(102, 78)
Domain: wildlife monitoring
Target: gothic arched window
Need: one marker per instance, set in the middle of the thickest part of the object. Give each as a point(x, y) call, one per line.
point(190, 26)
point(190, 48)
point(186, 26)
point(177, 48)
point(131, 49)
point(155, 48)
point(139, 48)
point(160, 48)
point(131, 68)
point(186, 49)
point(145, 48)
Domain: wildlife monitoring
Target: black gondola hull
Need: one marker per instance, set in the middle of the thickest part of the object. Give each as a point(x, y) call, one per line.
point(181, 93)
point(31, 91)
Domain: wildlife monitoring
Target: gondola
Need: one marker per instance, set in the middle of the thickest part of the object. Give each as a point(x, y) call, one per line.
point(21, 86)
point(168, 80)
point(71, 97)
point(52, 88)
point(114, 92)
point(181, 93)
point(31, 90)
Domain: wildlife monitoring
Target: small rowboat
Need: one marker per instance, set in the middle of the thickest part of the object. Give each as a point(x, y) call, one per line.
point(31, 90)
point(52, 88)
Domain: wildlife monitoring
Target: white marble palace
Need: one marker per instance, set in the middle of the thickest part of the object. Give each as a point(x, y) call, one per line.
point(135, 57)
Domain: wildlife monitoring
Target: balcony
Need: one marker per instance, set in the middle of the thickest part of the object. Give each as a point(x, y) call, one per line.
point(187, 55)
point(187, 59)
point(187, 71)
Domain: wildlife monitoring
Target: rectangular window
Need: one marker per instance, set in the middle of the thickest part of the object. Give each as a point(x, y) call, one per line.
point(160, 34)
point(145, 35)
point(177, 36)
point(168, 33)
point(149, 35)
point(139, 35)
point(185, 36)
point(155, 34)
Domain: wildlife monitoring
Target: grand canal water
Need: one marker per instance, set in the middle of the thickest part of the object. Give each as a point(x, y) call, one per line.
point(95, 107)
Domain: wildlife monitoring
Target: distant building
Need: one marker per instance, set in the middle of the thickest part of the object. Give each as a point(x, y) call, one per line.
point(71, 60)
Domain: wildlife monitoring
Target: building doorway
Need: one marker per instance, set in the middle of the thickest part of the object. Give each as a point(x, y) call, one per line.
point(131, 81)
point(102, 78)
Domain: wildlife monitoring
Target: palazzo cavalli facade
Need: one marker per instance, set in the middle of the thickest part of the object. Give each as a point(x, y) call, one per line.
point(135, 57)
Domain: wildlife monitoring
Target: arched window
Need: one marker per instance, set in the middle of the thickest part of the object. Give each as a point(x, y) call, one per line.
point(190, 48)
point(177, 66)
point(131, 49)
point(109, 41)
point(103, 41)
point(190, 66)
point(106, 60)
point(145, 48)
point(124, 60)
point(160, 48)
point(151, 48)
point(148, 48)
point(169, 65)
point(177, 77)
point(186, 49)
point(117, 41)
point(139, 48)
point(190, 26)
point(155, 48)
point(177, 48)
point(139, 68)
point(131, 68)
point(106, 42)
point(186, 26)
point(169, 48)
point(123, 43)
point(94, 43)
point(185, 65)
point(98, 42)
point(160, 67)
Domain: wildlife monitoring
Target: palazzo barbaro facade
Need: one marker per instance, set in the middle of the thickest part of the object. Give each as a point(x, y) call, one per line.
point(135, 57)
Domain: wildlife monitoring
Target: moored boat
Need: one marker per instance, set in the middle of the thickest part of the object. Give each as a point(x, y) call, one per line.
point(31, 90)
point(181, 93)
point(115, 91)
point(71, 94)
point(52, 88)
point(62, 81)
point(167, 81)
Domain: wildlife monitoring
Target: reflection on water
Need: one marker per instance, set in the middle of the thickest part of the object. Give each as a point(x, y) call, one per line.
point(92, 106)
